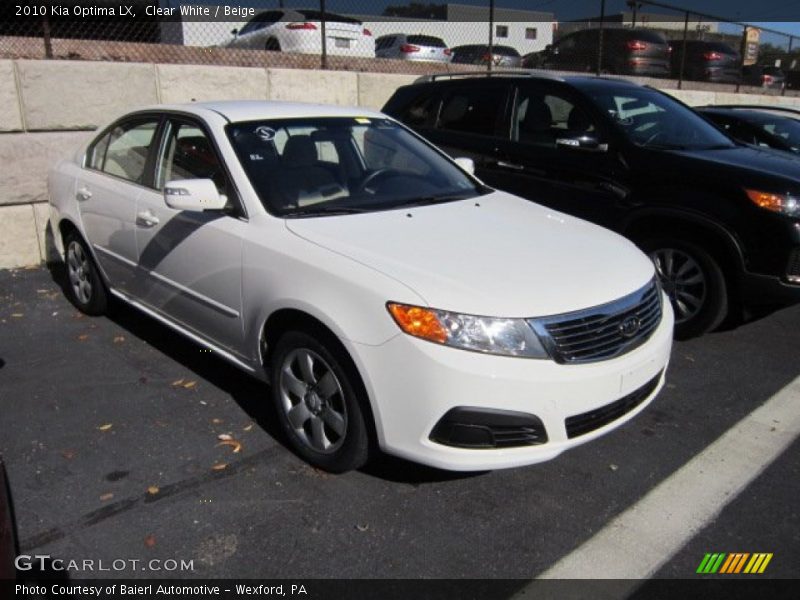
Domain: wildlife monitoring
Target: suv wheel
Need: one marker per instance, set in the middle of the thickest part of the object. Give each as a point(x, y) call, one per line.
point(694, 282)
point(85, 287)
point(314, 388)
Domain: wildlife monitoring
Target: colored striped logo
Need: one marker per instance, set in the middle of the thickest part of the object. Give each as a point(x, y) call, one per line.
point(732, 563)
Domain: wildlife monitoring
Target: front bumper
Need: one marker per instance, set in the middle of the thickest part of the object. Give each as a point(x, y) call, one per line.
point(413, 384)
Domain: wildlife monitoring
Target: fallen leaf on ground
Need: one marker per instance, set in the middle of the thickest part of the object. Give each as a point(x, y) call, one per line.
point(68, 454)
point(119, 339)
point(248, 427)
point(362, 527)
point(153, 490)
point(613, 467)
point(83, 337)
point(150, 541)
point(106, 427)
point(224, 437)
point(189, 384)
point(106, 497)
point(237, 447)
point(219, 466)
point(177, 382)
point(17, 315)
point(216, 421)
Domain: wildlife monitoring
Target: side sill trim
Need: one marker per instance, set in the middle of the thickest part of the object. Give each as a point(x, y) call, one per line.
point(185, 332)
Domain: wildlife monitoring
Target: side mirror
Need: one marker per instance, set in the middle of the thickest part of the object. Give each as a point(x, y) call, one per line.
point(234, 31)
point(587, 143)
point(193, 194)
point(467, 164)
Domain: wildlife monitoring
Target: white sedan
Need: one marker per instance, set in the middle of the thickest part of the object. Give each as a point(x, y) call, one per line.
point(392, 300)
point(300, 31)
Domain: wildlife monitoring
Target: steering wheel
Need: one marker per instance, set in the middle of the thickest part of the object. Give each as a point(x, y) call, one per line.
point(372, 177)
point(652, 138)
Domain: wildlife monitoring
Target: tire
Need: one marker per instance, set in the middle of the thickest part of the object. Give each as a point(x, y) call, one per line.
point(693, 279)
point(272, 45)
point(326, 429)
point(85, 287)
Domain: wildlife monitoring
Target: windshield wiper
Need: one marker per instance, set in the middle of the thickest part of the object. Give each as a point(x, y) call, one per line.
point(427, 200)
point(316, 211)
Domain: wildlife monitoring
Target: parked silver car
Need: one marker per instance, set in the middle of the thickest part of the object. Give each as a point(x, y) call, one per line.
point(412, 47)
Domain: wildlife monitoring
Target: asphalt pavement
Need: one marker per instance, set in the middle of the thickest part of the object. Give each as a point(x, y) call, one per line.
point(110, 428)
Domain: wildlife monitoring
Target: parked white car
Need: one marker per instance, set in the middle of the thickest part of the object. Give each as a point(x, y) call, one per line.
point(300, 31)
point(386, 294)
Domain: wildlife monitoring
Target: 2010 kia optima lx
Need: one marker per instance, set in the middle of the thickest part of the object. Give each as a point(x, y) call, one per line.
point(386, 294)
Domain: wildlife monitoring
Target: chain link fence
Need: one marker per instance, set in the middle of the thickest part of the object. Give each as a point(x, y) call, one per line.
point(648, 39)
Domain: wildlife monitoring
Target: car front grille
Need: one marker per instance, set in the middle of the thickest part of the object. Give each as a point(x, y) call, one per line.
point(604, 331)
point(595, 419)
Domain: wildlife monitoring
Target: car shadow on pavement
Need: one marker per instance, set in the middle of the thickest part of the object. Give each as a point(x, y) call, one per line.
point(249, 393)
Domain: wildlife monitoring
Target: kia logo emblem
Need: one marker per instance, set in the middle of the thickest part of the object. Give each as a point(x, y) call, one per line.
point(630, 327)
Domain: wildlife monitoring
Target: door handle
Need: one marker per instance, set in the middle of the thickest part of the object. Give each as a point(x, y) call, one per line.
point(147, 219)
point(84, 193)
point(508, 165)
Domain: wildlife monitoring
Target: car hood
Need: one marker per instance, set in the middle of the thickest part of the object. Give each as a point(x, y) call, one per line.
point(494, 255)
point(747, 162)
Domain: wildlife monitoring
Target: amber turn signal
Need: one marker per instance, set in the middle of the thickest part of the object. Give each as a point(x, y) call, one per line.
point(773, 202)
point(419, 322)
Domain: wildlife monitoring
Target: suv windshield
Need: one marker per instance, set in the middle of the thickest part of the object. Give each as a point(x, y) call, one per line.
point(339, 165)
point(653, 120)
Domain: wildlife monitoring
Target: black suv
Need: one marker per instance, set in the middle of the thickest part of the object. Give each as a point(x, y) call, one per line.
point(721, 220)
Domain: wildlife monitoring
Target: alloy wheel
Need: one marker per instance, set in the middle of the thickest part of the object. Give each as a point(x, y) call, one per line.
point(313, 401)
point(683, 281)
point(78, 269)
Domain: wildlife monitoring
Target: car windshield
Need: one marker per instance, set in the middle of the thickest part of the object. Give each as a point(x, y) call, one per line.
point(653, 120)
point(786, 129)
point(340, 165)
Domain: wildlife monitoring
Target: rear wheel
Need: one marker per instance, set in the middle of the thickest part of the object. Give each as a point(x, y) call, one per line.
point(272, 45)
point(316, 392)
point(693, 279)
point(85, 286)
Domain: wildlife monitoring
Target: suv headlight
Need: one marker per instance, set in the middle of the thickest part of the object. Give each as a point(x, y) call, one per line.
point(505, 337)
point(782, 203)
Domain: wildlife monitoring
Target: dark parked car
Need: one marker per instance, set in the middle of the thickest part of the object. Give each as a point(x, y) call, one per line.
point(720, 220)
point(478, 54)
point(8, 545)
point(764, 76)
point(705, 61)
point(625, 52)
point(776, 128)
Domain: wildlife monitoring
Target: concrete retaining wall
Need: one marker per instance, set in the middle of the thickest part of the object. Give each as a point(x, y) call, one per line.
point(47, 109)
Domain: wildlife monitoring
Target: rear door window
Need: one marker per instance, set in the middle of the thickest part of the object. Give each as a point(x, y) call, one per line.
point(477, 110)
point(124, 150)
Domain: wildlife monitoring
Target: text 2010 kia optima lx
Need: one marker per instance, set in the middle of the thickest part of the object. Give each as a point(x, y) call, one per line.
point(386, 294)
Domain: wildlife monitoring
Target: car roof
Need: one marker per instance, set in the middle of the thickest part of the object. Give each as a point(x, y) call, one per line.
point(578, 81)
point(253, 110)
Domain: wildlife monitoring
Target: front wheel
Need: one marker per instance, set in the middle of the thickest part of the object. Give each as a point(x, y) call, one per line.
point(315, 390)
point(694, 282)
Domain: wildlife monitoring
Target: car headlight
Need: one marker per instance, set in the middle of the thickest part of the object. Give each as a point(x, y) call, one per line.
point(782, 203)
point(505, 337)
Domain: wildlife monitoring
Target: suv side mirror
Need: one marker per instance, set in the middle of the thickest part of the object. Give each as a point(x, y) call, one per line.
point(467, 164)
point(193, 194)
point(587, 143)
point(234, 31)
